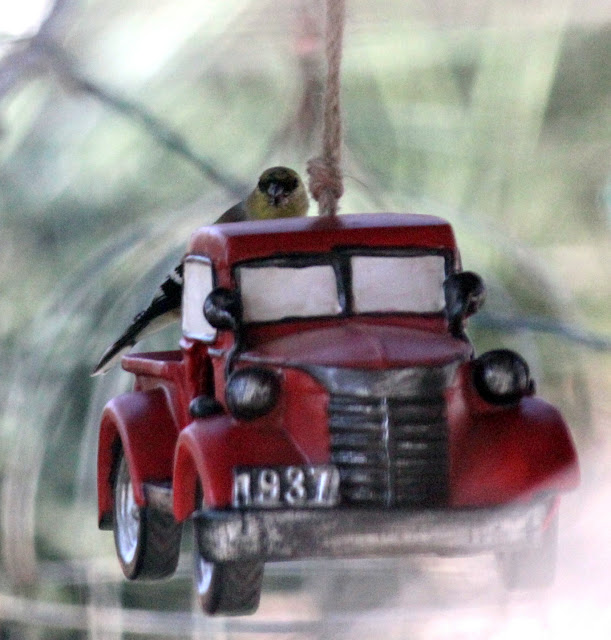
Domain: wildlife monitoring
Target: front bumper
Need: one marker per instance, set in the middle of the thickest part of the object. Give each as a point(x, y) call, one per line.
point(283, 534)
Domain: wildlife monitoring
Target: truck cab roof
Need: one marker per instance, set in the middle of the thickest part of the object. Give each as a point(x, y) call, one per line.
point(228, 244)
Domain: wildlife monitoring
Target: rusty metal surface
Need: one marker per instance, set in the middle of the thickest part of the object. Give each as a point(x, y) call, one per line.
point(340, 533)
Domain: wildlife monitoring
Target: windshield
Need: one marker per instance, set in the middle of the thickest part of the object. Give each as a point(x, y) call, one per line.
point(307, 288)
point(276, 292)
point(403, 284)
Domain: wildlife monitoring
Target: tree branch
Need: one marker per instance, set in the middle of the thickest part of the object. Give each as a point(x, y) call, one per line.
point(39, 52)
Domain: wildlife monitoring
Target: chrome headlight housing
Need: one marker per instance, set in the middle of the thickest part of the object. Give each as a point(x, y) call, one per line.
point(252, 392)
point(502, 377)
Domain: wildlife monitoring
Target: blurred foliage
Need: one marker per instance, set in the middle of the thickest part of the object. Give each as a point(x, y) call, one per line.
point(123, 126)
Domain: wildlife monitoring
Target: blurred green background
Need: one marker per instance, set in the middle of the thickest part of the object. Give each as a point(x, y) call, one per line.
point(125, 125)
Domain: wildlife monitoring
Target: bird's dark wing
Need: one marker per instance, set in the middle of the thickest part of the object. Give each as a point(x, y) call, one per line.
point(163, 310)
point(237, 213)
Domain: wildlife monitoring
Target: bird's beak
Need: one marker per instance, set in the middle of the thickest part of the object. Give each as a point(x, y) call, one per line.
point(276, 194)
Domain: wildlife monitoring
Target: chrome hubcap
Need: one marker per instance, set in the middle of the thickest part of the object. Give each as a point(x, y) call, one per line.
point(127, 514)
point(203, 575)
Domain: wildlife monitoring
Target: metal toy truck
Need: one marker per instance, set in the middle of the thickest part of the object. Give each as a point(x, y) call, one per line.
point(326, 402)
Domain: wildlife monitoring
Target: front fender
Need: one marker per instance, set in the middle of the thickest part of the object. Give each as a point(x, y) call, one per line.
point(142, 424)
point(208, 450)
point(513, 454)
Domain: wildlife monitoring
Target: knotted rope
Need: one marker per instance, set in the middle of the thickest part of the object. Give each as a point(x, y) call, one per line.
point(326, 180)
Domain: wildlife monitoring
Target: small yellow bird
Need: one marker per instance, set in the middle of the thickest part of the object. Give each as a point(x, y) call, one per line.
point(280, 193)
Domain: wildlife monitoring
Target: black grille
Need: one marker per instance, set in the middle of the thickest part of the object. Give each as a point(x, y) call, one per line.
point(390, 451)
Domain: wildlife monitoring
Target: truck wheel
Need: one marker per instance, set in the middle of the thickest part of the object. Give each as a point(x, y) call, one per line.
point(228, 588)
point(532, 568)
point(147, 541)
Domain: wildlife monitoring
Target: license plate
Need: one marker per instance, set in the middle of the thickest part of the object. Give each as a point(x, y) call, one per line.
point(298, 486)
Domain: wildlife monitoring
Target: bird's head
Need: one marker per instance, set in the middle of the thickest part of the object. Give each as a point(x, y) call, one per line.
point(282, 187)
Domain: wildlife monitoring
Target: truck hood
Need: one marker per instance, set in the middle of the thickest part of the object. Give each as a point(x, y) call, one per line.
point(361, 346)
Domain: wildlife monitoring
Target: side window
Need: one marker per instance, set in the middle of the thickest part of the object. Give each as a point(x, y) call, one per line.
point(198, 283)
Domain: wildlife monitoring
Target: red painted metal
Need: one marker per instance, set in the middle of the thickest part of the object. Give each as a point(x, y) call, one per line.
point(227, 244)
point(497, 454)
point(214, 447)
point(142, 424)
point(351, 343)
point(514, 454)
point(501, 454)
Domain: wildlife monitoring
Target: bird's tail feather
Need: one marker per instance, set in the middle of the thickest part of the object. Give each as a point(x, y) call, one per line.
point(163, 310)
point(111, 356)
point(143, 325)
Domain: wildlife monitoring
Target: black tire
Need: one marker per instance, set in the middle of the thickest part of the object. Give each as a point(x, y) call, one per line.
point(228, 588)
point(225, 588)
point(533, 568)
point(147, 541)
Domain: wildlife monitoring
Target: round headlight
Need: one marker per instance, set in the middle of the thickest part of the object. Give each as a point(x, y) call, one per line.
point(252, 392)
point(502, 376)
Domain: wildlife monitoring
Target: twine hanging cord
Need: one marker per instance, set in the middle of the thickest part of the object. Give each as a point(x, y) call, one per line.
point(326, 180)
